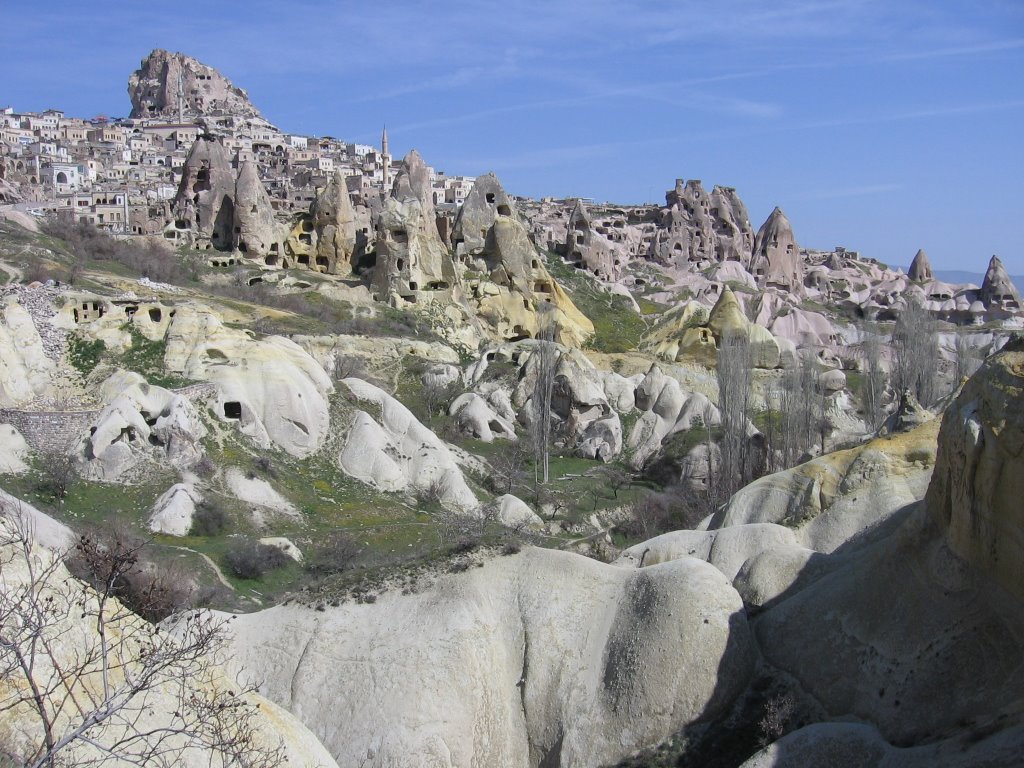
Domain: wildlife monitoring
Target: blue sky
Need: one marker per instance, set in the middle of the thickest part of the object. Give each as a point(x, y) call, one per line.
point(882, 126)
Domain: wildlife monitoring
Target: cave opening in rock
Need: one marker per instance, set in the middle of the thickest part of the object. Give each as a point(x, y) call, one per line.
point(232, 410)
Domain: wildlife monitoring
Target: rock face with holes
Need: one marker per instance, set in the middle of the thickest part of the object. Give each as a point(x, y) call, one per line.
point(585, 248)
point(154, 89)
point(921, 268)
point(485, 202)
point(140, 421)
point(272, 388)
point(334, 222)
point(204, 208)
point(257, 232)
point(541, 658)
point(413, 264)
point(776, 261)
point(998, 290)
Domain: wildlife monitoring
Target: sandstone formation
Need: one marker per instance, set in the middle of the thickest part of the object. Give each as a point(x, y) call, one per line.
point(13, 451)
point(587, 249)
point(921, 268)
point(979, 471)
point(204, 208)
point(524, 673)
point(154, 89)
point(274, 390)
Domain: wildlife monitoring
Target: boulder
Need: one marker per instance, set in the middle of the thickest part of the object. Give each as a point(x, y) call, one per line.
point(476, 418)
point(172, 512)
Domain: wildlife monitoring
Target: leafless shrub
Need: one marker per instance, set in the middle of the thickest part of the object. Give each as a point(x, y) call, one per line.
point(252, 560)
point(509, 466)
point(680, 507)
point(58, 475)
point(333, 554)
point(916, 346)
point(734, 372)
point(778, 711)
point(94, 706)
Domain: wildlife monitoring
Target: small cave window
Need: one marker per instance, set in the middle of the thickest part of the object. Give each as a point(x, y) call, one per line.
point(504, 210)
point(490, 198)
point(413, 285)
point(232, 410)
point(303, 259)
point(155, 314)
point(270, 261)
point(321, 261)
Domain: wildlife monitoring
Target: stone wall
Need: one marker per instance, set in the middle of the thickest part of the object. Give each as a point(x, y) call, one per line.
point(50, 431)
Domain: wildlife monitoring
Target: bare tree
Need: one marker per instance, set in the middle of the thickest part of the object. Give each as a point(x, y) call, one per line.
point(58, 474)
point(875, 380)
point(509, 466)
point(101, 685)
point(735, 378)
point(916, 347)
point(546, 357)
point(967, 359)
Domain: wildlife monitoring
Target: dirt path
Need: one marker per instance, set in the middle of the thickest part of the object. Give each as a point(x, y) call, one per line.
point(213, 565)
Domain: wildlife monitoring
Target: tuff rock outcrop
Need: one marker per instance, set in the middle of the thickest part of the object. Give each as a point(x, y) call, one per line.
point(979, 471)
point(998, 290)
point(334, 222)
point(776, 260)
point(257, 233)
point(921, 268)
point(154, 87)
point(541, 658)
point(204, 208)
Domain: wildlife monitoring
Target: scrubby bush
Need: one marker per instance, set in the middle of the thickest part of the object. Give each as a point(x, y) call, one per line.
point(336, 553)
point(209, 519)
point(252, 560)
point(677, 508)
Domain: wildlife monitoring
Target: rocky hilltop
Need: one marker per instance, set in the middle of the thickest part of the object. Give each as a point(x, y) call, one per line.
point(169, 84)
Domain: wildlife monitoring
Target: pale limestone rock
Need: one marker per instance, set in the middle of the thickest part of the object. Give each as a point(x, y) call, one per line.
point(475, 417)
point(46, 531)
point(275, 390)
point(833, 498)
point(921, 268)
point(69, 633)
point(998, 290)
point(25, 370)
point(399, 453)
point(538, 658)
point(515, 513)
point(13, 451)
point(153, 88)
point(258, 492)
point(140, 420)
point(285, 545)
point(485, 202)
point(172, 513)
point(776, 258)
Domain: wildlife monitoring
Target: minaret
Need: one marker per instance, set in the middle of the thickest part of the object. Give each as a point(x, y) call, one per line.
point(181, 98)
point(386, 159)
